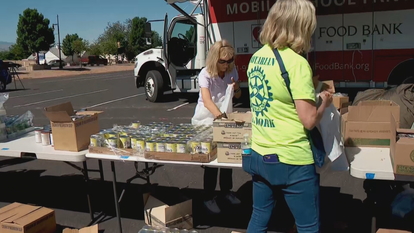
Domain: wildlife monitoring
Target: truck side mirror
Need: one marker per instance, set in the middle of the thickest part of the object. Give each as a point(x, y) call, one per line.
point(148, 30)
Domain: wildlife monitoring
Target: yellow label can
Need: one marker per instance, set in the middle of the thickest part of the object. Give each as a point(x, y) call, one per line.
point(125, 142)
point(113, 142)
point(171, 147)
point(206, 147)
point(150, 146)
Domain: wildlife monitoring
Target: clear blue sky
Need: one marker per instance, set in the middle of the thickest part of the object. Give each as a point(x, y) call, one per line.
point(88, 18)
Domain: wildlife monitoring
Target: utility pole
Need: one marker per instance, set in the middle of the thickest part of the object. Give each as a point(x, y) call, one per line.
point(60, 51)
point(59, 48)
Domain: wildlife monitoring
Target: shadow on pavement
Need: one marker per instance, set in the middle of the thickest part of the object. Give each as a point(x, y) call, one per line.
point(339, 212)
point(14, 161)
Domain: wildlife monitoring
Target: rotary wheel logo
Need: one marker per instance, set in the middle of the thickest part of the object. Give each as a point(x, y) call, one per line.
point(412, 155)
point(260, 93)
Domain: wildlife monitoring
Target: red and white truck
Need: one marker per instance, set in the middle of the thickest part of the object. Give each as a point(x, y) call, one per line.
point(358, 43)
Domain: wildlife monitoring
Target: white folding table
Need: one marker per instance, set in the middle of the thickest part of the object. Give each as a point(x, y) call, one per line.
point(373, 164)
point(147, 172)
point(25, 146)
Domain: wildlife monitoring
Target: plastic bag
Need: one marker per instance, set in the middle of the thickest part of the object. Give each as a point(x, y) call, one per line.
point(203, 116)
point(3, 98)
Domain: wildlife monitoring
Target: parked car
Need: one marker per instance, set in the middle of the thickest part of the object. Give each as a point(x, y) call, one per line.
point(55, 63)
point(94, 60)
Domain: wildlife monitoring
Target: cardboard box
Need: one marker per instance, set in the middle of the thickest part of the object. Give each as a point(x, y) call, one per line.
point(329, 85)
point(229, 152)
point(233, 129)
point(382, 230)
point(91, 229)
point(368, 123)
point(68, 134)
point(185, 157)
point(21, 218)
point(157, 213)
point(402, 150)
point(339, 101)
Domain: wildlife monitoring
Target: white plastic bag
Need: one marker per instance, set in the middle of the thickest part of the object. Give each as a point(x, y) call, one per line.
point(202, 116)
point(3, 98)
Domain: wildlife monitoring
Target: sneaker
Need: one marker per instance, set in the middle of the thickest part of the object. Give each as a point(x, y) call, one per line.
point(212, 206)
point(230, 197)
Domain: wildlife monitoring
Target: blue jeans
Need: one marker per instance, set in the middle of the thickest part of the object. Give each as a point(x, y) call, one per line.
point(300, 187)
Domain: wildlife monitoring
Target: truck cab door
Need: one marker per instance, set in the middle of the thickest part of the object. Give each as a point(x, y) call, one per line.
point(182, 40)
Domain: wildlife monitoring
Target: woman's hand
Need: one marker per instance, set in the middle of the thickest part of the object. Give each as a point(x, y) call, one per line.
point(236, 88)
point(326, 98)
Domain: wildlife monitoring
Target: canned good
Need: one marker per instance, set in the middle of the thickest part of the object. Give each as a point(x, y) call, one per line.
point(111, 134)
point(51, 137)
point(123, 134)
point(94, 141)
point(136, 124)
point(171, 147)
point(160, 146)
point(125, 142)
point(140, 144)
point(195, 147)
point(113, 142)
point(206, 147)
point(38, 136)
point(45, 138)
point(181, 147)
point(150, 146)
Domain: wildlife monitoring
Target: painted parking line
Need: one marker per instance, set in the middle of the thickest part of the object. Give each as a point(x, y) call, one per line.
point(40, 93)
point(59, 98)
point(115, 100)
point(177, 107)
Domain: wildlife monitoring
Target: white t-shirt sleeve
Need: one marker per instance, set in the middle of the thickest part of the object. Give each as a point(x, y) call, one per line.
point(235, 74)
point(204, 79)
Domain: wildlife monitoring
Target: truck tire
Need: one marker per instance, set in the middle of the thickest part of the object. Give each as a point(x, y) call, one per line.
point(154, 86)
point(402, 73)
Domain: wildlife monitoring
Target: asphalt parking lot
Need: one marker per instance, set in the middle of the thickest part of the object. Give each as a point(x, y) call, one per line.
point(59, 186)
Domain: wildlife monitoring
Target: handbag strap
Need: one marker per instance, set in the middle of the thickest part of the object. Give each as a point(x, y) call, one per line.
point(285, 74)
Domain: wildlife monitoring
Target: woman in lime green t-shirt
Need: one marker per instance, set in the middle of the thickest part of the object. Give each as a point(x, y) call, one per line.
point(281, 156)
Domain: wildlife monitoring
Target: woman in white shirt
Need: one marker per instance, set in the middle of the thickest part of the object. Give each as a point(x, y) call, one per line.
point(214, 79)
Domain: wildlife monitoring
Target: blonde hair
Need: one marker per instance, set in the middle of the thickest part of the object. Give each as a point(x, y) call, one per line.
point(290, 23)
point(219, 49)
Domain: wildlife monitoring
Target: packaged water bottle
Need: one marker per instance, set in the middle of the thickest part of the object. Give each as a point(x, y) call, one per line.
point(246, 146)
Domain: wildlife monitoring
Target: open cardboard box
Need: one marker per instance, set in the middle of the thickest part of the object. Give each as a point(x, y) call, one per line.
point(402, 150)
point(368, 123)
point(91, 229)
point(157, 213)
point(382, 230)
point(22, 218)
point(233, 128)
point(329, 85)
point(68, 134)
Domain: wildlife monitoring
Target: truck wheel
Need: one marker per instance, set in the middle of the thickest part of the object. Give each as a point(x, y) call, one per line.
point(154, 86)
point(402, 73)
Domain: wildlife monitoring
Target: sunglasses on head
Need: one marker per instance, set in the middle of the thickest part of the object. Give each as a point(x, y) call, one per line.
point(226, 61)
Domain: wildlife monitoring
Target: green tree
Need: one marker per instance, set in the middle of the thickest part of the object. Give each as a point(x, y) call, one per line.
point(18, 53)
point(33, 32)
point(79, 46)
point(156, 39)
point(114, 33)
point(95, 49)
point(67, 43)
point(15, 52)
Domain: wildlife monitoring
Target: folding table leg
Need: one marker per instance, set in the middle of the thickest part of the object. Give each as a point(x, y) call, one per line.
point(116, 196)
point(101, 173)
point(86, 177)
